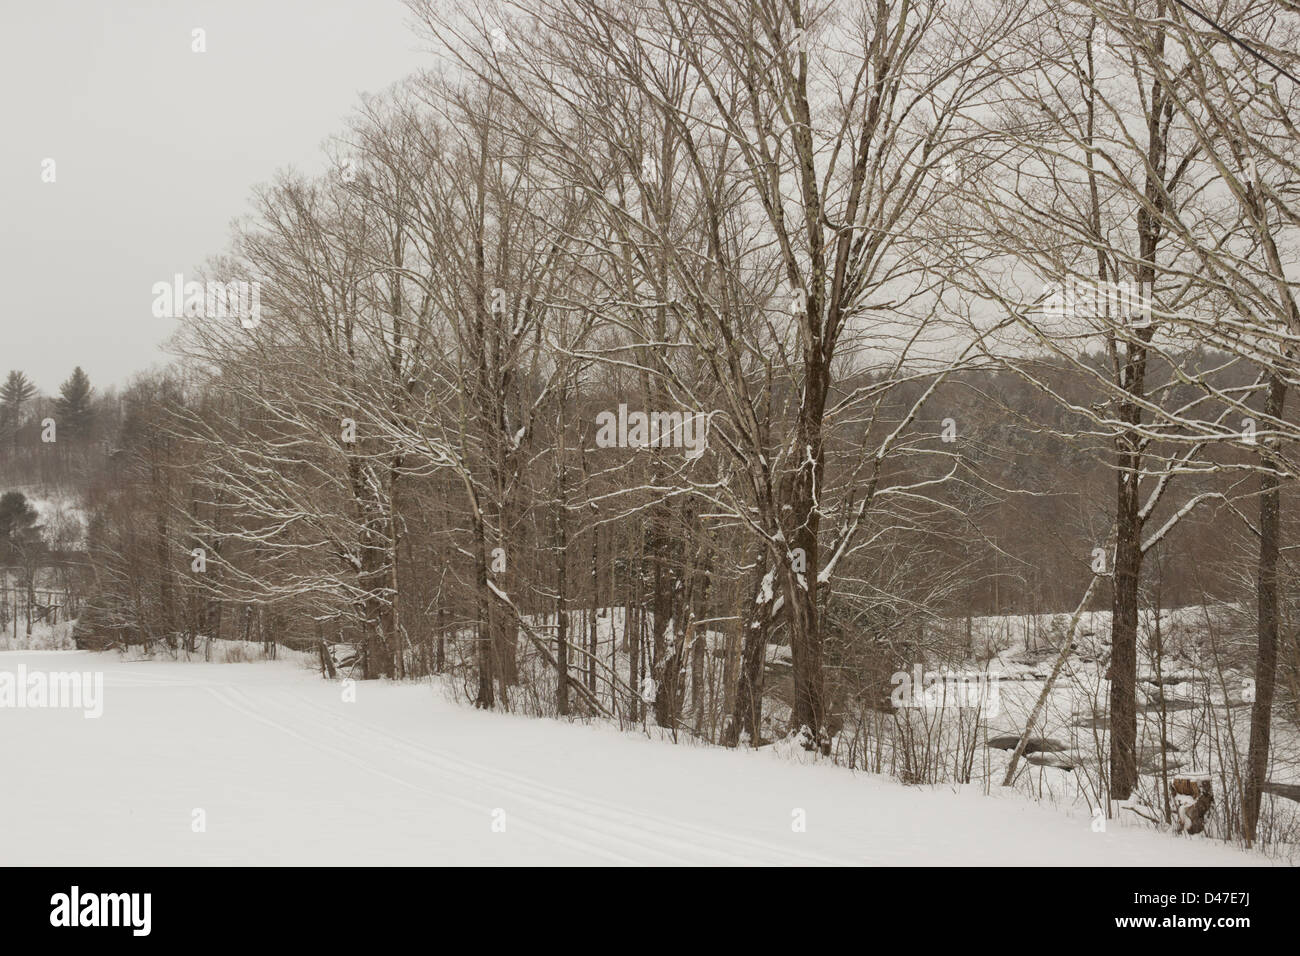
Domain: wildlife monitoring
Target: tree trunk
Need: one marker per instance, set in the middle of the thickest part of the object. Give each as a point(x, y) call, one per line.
point(806, 658)
point(800, 587)
point(561, 605)
point(440, 654)
point(562, 562)
point(486, 696)
point(1124, 627)
point(632, 634)
point(592, 637)
point(747, 718)
point(1270, 542)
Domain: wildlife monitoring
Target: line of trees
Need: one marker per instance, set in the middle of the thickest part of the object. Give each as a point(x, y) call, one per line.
point(841, 232)
point(32, 424)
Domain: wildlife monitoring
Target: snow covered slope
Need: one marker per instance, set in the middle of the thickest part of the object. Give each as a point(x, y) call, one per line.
point(286, 772)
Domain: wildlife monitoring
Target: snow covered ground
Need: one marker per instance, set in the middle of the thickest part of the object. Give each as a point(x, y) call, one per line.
point(45, 636)
point(284, 771)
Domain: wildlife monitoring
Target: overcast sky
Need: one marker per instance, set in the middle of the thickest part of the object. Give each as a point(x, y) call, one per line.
point(156, 151)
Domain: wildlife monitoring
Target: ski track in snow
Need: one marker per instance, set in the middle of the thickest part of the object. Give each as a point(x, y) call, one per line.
point(611, 823)
point(287, 772)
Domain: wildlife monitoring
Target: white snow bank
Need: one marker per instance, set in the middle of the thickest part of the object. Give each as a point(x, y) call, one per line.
point(281, 770)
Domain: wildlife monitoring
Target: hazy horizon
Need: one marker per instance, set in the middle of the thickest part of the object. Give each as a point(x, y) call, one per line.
point(156, 150)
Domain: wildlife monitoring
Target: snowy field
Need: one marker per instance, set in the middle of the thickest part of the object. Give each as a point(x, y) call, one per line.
point(281, 770)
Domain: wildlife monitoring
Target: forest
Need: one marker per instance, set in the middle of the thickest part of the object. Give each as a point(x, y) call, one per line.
point(954, 331)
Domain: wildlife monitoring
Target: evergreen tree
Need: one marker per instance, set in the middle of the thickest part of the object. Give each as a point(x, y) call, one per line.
point(16, 391)
point(19, 532)
point(73, 407)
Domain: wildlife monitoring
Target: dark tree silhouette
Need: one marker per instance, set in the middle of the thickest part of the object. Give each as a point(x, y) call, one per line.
point(16, 391)
point(73, 407)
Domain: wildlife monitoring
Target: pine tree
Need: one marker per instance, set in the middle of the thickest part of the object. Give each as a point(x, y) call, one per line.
point(19, 531)
point(16, 391)
point(73, 406)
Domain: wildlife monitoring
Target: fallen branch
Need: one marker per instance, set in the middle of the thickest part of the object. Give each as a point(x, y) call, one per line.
point(1051, 681)
point(540, 643)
